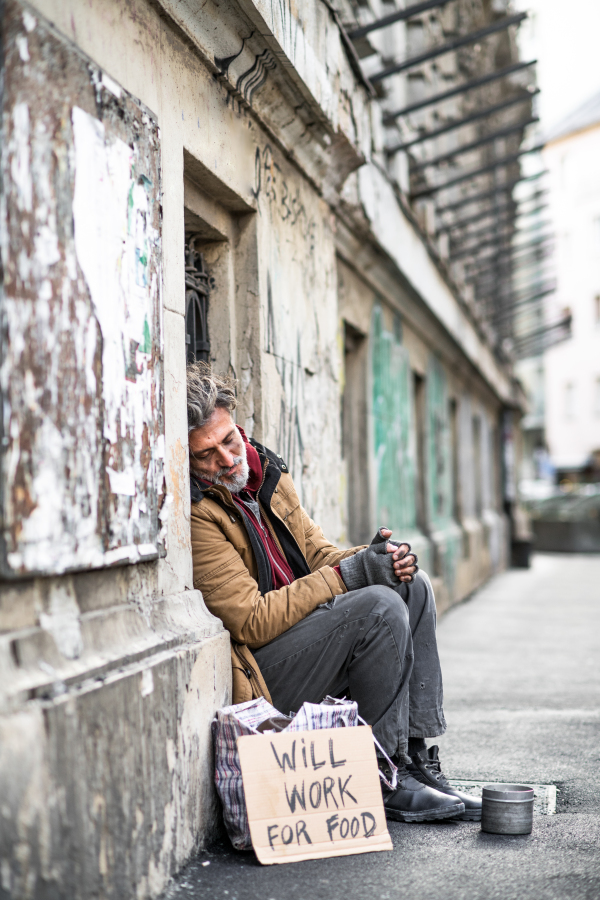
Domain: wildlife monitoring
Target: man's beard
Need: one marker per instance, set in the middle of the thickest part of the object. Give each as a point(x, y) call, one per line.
point(237, 482)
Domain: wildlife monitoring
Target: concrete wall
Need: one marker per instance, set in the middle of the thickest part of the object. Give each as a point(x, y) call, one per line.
point(109, 677)
point(269, 151)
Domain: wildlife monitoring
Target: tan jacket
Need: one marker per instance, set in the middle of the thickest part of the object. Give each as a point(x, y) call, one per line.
point(227, 573)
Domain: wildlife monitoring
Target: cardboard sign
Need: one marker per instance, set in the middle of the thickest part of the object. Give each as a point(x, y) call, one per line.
point(312, 794)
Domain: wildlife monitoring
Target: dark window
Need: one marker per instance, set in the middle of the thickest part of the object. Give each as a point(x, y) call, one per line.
point(197, 289)
point(355, 435)
point(477, 466)
point(453, 417)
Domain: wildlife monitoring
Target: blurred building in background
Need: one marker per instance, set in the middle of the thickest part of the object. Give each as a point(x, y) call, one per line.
point(572, 369)
point(558, 469)
point(536, 325)
point(319, 198)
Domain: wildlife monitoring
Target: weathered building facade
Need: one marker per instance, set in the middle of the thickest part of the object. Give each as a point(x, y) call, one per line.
point(207, 179)
point(572, 369)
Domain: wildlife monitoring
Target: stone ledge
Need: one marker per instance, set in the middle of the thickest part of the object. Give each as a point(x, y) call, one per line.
point(67, 648)
point(109, 784)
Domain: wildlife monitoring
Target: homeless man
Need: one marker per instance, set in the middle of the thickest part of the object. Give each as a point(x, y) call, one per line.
point(307, 619)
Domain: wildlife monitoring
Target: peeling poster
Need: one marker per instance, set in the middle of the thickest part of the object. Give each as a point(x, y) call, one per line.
point(81, 424)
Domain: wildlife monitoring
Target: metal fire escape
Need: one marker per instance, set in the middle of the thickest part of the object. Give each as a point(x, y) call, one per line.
point(477, 205)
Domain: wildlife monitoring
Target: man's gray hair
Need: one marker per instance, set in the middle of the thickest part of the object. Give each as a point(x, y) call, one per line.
point(205, 392)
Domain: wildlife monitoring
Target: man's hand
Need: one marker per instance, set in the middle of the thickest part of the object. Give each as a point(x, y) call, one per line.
point(373, 564)
point(405, 563)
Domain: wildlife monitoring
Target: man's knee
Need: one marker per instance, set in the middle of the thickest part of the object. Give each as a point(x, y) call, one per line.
point(419, 594)
point(377, 599)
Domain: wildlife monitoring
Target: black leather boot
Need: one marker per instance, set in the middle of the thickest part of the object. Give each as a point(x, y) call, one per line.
point(425, 767)
point(416, 802)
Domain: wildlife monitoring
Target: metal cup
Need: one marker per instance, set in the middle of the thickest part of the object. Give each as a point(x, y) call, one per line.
point(507, 809)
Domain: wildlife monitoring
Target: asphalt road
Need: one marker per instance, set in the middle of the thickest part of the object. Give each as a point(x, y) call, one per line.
point(521, 666)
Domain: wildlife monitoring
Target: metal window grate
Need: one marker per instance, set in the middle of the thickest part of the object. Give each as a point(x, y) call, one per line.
point(197, 289)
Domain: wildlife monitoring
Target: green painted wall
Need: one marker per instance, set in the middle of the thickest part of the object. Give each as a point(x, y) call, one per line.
point(392, 426)
point(394, 447)
point(439, 449)
point(440, 492)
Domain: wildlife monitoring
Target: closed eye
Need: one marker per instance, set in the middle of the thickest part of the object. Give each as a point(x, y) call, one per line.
point(205, 454)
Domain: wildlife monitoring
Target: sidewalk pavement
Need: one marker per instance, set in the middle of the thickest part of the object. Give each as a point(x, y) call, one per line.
point(521, 663)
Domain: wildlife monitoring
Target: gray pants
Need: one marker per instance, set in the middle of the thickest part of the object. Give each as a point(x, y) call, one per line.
point(373, 646)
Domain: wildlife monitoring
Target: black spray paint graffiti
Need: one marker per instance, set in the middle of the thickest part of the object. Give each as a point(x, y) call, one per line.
point(289, 431)
point(271, 336)
point(286, 204)
point(270, 184)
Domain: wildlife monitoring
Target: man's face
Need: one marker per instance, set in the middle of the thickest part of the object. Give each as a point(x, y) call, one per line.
point(217, 452)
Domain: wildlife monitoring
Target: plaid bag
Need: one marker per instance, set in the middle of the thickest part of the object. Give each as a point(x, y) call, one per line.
point(256, 717)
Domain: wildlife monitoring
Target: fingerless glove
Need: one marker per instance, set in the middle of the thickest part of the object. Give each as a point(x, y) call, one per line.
point(373, 565)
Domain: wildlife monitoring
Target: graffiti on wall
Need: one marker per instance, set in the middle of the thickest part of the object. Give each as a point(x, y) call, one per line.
point(80, 338)
point(270, 183)
point(296, 296)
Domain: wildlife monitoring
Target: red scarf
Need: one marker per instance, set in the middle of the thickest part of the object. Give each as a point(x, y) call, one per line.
point(282, 573)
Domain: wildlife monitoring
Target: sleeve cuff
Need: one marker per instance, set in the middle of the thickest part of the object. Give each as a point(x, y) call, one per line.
point(338, 572)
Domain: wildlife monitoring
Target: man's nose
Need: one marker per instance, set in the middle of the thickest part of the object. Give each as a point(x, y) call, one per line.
point(225, 458)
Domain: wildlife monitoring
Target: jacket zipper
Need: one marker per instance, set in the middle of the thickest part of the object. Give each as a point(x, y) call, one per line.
point(268, 524)
point(265, 467)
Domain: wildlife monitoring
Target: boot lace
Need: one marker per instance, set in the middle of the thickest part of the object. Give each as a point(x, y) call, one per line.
point(403, 771)
point(433, 768)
